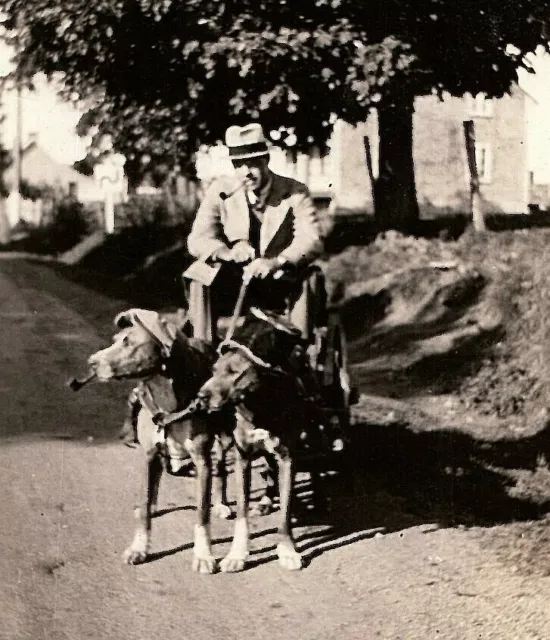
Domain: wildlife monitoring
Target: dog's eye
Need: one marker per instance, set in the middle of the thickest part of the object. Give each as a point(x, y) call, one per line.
point(125, 341)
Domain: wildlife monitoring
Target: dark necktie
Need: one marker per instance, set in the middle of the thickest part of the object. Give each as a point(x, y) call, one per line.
point(256, 219)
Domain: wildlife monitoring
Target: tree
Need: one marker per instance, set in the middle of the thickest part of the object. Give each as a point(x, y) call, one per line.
point(166, 76)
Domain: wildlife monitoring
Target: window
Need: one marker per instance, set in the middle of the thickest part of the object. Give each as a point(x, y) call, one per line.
point(480, 106)
point(484, 162)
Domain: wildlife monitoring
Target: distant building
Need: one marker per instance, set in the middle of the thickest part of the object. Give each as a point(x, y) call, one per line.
point(505, 165)
point(39, 169)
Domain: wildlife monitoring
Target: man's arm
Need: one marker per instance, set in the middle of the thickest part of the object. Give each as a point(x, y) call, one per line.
point(207, 236)
point(307, 244)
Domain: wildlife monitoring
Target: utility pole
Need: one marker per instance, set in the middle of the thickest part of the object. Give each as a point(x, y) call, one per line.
point(18, 129)
point(17, 149)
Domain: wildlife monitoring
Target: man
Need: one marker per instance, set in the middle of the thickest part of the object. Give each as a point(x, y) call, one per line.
point(253, 225)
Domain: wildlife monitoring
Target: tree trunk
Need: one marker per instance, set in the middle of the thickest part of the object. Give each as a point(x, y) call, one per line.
point(395, 202)
point(4, 222)
point(476, 212)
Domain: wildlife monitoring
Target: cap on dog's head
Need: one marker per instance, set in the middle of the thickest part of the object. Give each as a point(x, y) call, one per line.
point(142, 346)
point(162, 331)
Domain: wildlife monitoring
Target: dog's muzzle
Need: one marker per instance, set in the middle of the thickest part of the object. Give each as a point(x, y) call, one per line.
point(205, 401)
point(101, 370)
point(213, 401)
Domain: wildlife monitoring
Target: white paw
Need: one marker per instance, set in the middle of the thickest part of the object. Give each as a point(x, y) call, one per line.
point(233, 562)
point(289, 558)
point(137, 552)
point(204, 564)
point(134, 556)
point(222, 511)
point(262, 508)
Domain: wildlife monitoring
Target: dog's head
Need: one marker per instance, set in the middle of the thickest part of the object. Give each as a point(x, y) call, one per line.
point(259, 349)
point(234, 377)
point(140, 348)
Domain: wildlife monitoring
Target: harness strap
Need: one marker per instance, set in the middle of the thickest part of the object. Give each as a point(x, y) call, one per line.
point(233, 344)
point(150, 404)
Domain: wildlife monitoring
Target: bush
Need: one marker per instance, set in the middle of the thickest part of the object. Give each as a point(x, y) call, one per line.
point(63, 226)
point(71, 221)
point(151, 211)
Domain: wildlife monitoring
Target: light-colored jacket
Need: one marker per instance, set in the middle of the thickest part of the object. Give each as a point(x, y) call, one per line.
point(290, 226)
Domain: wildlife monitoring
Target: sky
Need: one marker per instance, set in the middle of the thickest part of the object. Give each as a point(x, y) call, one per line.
point(44, 114)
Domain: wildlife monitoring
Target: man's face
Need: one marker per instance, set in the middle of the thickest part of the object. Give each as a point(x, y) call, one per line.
point(253, 168)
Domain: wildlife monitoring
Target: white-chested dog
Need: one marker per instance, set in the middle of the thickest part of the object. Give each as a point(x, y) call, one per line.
point(171, 368)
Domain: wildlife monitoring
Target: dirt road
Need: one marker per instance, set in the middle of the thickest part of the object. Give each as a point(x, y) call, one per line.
point(66, 517)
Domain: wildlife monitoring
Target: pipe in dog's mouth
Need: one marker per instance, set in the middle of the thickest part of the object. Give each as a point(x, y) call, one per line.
point(77, 383)
point(105, 372)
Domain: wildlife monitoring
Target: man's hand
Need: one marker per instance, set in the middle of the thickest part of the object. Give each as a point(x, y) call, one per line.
point(223, 254)
point(242, 252)
point(261, 268)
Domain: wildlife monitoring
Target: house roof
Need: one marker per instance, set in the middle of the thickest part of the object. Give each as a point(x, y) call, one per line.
point(38, 167)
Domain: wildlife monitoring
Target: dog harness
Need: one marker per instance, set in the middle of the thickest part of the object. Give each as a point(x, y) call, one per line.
point(176, 455)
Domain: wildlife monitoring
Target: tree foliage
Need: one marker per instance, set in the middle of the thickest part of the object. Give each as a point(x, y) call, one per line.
point(165, 75)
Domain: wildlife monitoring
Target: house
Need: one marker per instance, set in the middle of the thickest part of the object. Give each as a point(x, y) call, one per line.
point(39, 169)
point(46, 127)
point(504, 163)
point(506, 131)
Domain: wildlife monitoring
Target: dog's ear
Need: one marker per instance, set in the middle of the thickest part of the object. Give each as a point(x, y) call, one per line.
point(124, 319)
point(161, 330)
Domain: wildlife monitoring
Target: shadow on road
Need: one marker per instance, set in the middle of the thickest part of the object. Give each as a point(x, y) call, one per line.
point(401, 479)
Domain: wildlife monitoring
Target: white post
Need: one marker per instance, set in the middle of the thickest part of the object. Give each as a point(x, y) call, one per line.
point(17, 160)
point(302, 168)
point(109, 212)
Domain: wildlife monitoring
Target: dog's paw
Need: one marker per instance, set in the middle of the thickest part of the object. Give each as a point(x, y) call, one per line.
point(289, 558)
point(205, 564)
point(262, 508)
point(233, 563)
point(134, 556)
point(222, 511)
point(137, 552)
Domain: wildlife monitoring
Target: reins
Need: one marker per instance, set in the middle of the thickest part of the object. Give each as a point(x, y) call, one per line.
point(237, 310)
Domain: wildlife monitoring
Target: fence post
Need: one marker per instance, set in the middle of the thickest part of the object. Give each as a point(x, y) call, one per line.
point(109, 212)
point(476, 212)
point(370, 169)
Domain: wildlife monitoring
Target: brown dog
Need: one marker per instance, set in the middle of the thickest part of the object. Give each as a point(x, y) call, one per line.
point(273, 414)
point(171, 369)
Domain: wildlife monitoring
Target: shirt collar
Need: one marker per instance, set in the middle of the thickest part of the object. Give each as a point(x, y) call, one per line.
point(259, 198)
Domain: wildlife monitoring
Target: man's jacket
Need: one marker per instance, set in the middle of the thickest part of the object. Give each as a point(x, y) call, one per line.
point(290, 224)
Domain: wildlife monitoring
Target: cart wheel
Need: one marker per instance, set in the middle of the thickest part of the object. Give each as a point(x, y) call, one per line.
point(337, 380)
point(339, 396)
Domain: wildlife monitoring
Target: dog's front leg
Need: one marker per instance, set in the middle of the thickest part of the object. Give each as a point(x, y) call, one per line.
point(238, 554)
point(200, 451)
point(289, 558)
point(220, 508)
point(139, 548)
point(266, 504)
